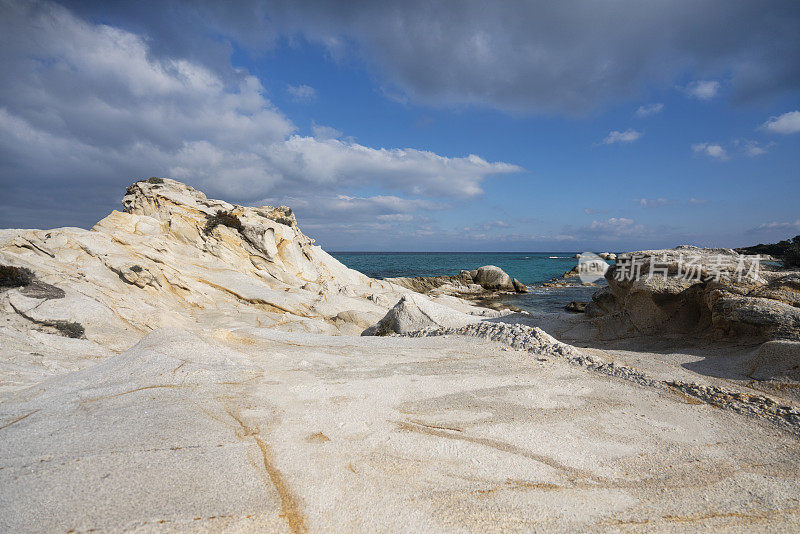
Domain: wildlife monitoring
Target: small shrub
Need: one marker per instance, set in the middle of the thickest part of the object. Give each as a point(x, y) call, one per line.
point(136, 268)
point(15, 276)
point(224, 218)
point(791, 257)
point(154, 180)
point(283, 220)
point(70, 329)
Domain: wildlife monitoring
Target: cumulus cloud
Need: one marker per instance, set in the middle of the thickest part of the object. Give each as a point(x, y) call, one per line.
point(555, 57)
point(788, 123)
point(711, 150)
point(302, 93)
point(702, 89)
point(628, 136)
point(90, 104)
point(325, 132)
point(648, 110)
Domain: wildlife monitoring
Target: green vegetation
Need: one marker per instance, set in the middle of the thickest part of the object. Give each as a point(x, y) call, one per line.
point(224, 218)
point(15, 276)
point(69, 329)
point(788, 251)
point(283, 220)
point(154, 180)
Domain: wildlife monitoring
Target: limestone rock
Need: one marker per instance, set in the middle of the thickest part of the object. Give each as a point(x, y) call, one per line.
point(689, 290)
point(176, 258)
point(416, 312)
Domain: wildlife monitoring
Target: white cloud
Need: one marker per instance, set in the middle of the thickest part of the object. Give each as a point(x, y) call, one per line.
point(325, 132)
point(302, 93)
point(89, 103)
point(652, 202)
point(562, 57)
point(628, 136)
point(751, 148)
point(648, 110)
point(698, 201)
point(702, 89)
point(711, 150)
point(775, 225)
point(788, 123)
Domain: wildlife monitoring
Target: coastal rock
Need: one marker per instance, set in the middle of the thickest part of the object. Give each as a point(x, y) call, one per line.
point(776, 360)
point(416, 312)
point(519, 287)
point(493, 278)
point(697, 291)
point(175, 258)
point(479, 285)
point(576, 306)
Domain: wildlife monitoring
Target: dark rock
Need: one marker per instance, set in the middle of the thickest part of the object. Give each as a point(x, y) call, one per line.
point(576, 306)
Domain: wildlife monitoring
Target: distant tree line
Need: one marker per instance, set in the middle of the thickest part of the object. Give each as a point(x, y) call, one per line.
point(788, 251)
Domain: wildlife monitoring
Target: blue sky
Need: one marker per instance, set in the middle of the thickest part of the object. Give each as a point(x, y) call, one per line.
point(415, 126)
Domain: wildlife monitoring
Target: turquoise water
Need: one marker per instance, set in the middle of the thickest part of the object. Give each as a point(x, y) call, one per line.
point(530, 268)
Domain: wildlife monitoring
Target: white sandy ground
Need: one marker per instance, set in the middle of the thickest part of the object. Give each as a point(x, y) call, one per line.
point(729, 364)
point(258, 429)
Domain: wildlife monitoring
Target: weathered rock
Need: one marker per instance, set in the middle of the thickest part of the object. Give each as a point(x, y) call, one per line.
point(697, 291)
point(478, 285)
point(519, 287)
point(576, 306)
point(416, 312)
point(776, 360)
point(493, 278)
point(176, 258)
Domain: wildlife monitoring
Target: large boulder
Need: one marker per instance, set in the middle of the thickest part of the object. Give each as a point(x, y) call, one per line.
point(417, 312)
point(493, 278)
point(776, 360)
point(689, 290)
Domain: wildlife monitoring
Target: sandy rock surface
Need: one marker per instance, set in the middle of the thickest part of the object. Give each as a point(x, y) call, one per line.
point(221, 384)
point(714, 292)
point(258, 429)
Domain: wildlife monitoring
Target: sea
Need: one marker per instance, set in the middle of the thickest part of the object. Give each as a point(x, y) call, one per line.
point(530, 268)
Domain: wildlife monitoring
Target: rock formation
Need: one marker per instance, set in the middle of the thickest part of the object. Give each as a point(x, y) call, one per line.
point(688, 290)
point(416, 312)
point(180, 367)
point(480, 284)
point(175, 258)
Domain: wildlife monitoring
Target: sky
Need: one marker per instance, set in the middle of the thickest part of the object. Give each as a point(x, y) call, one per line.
point(415, 126)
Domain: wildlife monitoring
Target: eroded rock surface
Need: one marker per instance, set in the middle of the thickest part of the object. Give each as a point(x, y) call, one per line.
point(175, 258)
point(481, 284)
point(703, 292)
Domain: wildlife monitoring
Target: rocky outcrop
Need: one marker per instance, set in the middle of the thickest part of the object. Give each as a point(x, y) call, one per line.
point(175, 258)
point(477, 285)
point(688, 290)
point(416, 312)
